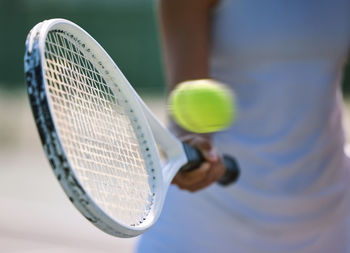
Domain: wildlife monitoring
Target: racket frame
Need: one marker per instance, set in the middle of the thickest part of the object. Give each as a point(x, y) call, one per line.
point(56, 154)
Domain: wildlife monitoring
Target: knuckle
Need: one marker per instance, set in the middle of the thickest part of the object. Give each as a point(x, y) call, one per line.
point(193, 190)
point(181, 186)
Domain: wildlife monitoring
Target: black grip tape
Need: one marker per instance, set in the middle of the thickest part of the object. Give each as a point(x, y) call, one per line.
point(232, 171)
point(195, 159)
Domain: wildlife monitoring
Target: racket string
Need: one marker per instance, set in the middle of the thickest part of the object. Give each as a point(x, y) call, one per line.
point(97, 133)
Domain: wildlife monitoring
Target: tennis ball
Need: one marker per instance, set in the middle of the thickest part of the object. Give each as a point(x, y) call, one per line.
point(202, 106)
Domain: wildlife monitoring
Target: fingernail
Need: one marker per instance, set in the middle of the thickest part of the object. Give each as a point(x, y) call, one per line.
point(213, 156)
point(207, 167)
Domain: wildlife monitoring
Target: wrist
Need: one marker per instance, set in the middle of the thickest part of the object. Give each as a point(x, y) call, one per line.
point(180, 132)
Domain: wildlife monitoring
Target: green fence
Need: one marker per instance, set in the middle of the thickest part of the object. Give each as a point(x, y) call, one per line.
point(346, 83)
point(125, 28)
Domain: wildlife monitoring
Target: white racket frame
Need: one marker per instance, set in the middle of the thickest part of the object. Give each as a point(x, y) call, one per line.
point(172, 147)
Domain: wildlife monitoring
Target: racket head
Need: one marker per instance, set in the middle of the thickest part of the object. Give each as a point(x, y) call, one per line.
point(78, 97)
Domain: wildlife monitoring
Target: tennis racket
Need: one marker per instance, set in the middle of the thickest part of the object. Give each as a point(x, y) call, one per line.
point(98, 135)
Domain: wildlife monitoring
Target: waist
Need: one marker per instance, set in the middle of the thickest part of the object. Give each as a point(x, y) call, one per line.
point(279, 192)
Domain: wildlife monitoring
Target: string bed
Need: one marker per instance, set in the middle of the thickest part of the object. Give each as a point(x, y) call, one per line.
point(95, 129)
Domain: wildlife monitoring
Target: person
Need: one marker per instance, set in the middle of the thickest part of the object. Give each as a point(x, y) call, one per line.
point(284, 61)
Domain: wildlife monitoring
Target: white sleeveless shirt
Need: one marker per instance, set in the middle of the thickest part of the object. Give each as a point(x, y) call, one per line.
point(284, 60)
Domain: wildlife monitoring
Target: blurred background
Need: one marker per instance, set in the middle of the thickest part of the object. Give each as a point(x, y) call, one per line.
point(35, 215)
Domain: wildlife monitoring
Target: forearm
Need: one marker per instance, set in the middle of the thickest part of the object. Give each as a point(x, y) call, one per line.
point(184, 26)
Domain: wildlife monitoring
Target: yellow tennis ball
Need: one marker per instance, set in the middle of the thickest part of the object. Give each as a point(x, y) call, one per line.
point(202, 106)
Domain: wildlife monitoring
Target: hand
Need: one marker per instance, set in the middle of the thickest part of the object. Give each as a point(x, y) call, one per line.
point(209, 172)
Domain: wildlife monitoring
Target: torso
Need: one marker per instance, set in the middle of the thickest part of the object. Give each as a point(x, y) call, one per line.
point(284, 60)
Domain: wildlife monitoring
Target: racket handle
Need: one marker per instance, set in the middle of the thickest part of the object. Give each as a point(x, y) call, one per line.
point(195, 159)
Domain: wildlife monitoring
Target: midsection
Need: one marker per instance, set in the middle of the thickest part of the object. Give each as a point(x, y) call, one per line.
point(284, 61)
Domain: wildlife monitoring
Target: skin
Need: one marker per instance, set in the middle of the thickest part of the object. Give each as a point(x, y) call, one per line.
point(185, 28)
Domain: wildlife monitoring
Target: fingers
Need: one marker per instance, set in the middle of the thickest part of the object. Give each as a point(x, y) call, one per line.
point(215, 172)
point(203, 143)
point(209, 172)
point(200, 178)
point(186, 179)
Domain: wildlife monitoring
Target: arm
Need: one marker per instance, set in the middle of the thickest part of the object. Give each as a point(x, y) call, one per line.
point(185, 36)
point(185, 29)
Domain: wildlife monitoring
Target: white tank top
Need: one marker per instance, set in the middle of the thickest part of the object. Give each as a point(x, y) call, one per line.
point(284, 60)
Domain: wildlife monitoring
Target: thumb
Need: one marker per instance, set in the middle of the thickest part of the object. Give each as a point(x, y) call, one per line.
point(207, 149)
point(210, 155)
point(204, 145)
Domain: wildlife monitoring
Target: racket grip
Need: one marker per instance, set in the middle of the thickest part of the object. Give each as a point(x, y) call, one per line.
point(232, 171)
point(195, 159)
